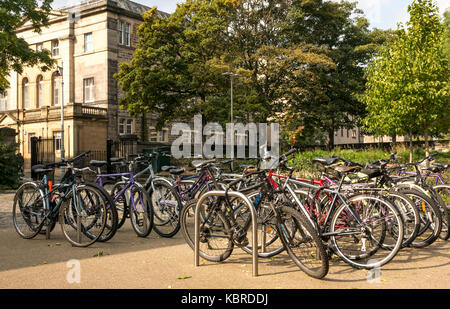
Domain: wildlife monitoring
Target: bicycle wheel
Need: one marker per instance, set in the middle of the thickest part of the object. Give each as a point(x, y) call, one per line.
point(410, 215)
point(83, 215)
point(166, 207)
point(359, 244)
point(28, 210)
point(216, 243)
point(111, 216)
point(141, 211)
point(442, 196)
point(430, 218)
point(269, 244)
point(302, 243)
point(121, 202)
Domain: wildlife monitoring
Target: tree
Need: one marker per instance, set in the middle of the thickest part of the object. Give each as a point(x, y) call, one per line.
point(446, 40)
point(15, 52)
point(177, 71)
point(343, 32)
point(174, 69)
point(408, 83)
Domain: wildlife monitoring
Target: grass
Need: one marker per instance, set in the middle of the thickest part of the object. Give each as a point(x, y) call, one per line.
point(302, 161)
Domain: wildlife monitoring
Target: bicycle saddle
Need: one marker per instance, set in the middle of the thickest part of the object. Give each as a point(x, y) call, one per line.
point(245, 167)
point(38, 169)
point(168, 168)
point(176, 171)
point(326, 161)
point(346, 169)
point(433, 169)
point(98, 163)
point(442, 165)
point(201, 163)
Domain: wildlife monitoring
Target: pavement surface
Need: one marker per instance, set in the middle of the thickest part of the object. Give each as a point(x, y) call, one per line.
point(130, 262)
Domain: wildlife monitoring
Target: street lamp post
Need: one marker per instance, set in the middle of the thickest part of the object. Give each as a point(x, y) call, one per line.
point(232, 75)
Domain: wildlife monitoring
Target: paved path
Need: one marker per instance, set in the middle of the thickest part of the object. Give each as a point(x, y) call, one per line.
point(130, 262)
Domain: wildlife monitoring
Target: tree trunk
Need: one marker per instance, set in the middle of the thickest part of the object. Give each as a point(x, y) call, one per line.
point(411, 149)
point(330, 139)
point(394, 142)
point(427, 146)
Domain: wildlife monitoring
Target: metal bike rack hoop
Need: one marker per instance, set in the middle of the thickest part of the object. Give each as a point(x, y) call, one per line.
point(254, 225)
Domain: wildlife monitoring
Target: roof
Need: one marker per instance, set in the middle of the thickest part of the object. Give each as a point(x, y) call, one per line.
point(122, 4)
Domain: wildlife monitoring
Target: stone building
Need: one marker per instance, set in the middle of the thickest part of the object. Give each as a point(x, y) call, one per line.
point(88, 41)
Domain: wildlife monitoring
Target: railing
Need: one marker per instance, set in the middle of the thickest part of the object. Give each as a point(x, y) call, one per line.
point(70, 110)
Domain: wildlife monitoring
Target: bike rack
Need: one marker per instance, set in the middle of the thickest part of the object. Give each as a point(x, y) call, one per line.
point(254, 226)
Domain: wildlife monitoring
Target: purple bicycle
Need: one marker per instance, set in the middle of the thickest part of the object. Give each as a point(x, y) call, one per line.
point(130, 197)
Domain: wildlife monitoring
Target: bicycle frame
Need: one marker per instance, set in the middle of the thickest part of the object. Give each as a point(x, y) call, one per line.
point(336, 195)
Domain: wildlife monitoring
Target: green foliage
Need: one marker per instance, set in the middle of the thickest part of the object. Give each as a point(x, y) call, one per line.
point(302, 161)
point(11, 164)
point(446, 41)
point(343, 32)
point(408, 89)
point(300, 63)
point(14, 50)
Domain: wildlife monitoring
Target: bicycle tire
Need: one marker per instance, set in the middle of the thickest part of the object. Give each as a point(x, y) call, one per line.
point(166, 221)
point(68, 216)
point(443, 206)
point(370, 209)
point(188, 230)
point(314, 249)
point(25, 210)
point(142, 226)
point(427, 209)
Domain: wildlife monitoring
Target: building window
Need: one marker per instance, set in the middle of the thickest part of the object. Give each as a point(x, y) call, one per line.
point(124, 33)
point(40, 91)
point(354, 134)
point(163, 136)
point(55, 87)
point(342, 132)
point(129, 126)
point(122, 126)
point(26, 93)
point(127, 34)
point(120, 32)
point(88, 45)
point(39, 47)
point(348, 134)
point(89, 90)
point(57, 140)
point(55, 48)
point(4, 101)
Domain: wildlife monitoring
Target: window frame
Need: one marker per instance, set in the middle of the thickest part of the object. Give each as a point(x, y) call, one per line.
point(55, 86)
point(4, 101)
point(129, 125)
point(88, 89)
point(124, 32)
point(39, 91)
point(57, 137)
point(26, 93)
point(55, 47)
point(39, 47)
point(122, 124)
point(88, 43)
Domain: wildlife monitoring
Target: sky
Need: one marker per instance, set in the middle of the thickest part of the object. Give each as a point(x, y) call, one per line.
point(382, 14)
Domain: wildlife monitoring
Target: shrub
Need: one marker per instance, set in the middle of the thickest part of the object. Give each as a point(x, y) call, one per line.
point(11, 166)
